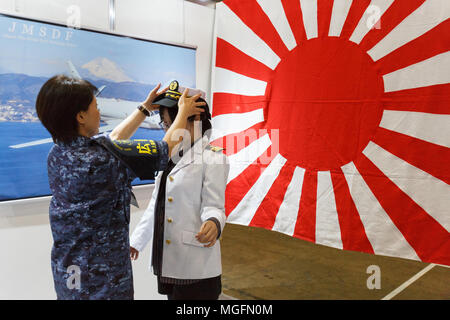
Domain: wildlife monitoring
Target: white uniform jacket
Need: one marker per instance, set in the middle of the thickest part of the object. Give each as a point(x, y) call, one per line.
point(195, 192)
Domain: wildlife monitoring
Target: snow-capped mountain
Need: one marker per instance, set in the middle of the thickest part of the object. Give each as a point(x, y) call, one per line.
point(106, 69)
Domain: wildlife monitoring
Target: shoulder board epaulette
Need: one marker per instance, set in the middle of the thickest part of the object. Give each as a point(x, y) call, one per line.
point(214, 148)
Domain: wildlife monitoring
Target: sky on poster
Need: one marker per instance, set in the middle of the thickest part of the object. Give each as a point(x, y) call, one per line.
point(46, 48)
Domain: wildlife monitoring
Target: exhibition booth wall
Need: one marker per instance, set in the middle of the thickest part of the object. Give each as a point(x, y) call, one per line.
point(25, 235)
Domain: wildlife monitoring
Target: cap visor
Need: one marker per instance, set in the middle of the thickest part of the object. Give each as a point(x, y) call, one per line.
point(165, 102)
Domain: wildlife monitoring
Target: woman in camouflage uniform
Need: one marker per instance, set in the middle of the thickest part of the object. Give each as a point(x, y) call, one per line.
point(90, 178)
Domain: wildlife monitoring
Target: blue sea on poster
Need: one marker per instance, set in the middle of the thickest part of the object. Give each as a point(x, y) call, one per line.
point(23, 171)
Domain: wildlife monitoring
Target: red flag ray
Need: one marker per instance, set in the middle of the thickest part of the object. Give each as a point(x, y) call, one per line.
point(295, 19)
point(266, 213)
point(225, 103)
point(398, 11)
point(324, 9)
point(305, 228)
point(429, 157)
point(424, 47)
point(352, 229)
point(428, 238)
point(239, 186)
point(432, 99)
point(354, 15)
point(235, 60)
point(255, 18)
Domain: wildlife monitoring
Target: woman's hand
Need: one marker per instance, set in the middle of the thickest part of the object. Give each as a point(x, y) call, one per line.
point(134, 254)
point(188, 105)
point(208, 233)
point(151, 96)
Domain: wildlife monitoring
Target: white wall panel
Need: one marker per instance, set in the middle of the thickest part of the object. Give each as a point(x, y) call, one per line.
point(199, 22)
point(7, 6)
point(159, 20)
point(93, 14)
point(25, 248)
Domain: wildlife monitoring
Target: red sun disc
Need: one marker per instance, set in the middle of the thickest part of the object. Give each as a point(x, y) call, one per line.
point(325, 98)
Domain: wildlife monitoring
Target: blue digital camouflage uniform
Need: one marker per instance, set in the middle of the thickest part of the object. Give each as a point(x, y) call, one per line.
point(90, 212)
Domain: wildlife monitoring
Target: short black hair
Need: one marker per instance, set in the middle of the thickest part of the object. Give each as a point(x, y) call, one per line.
point(59, 101)
point(206, 124)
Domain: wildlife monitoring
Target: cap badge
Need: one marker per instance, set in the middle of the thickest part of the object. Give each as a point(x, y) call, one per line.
point(174, 86)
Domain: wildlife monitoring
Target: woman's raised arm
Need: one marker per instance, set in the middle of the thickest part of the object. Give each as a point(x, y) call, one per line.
point(128, 127)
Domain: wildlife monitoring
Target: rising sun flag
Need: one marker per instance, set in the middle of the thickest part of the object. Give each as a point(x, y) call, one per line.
point(335, 116)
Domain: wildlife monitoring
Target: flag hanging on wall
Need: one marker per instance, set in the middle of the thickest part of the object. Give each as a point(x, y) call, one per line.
point(335, 116)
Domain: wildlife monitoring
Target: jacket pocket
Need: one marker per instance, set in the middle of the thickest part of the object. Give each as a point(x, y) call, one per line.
point(188, 238)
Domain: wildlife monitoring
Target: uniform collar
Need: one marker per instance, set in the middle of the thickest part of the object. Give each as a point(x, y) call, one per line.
point(199, 145)
point(194, 153)
point(79, 141)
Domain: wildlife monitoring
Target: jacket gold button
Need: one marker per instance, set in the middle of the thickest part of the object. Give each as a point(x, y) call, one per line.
point(168, 241)
point(170, 199)
point(170, 178)
point(169, 220)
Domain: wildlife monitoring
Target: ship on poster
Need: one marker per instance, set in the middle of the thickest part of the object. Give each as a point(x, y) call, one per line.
point(124, 69)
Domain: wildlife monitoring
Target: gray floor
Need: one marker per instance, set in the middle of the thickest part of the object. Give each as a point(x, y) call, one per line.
point(262, 264)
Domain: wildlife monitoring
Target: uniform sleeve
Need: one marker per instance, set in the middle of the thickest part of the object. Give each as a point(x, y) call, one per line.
point(143, 232)
point(143, 157)
point(219, 227)
point(213, 190)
